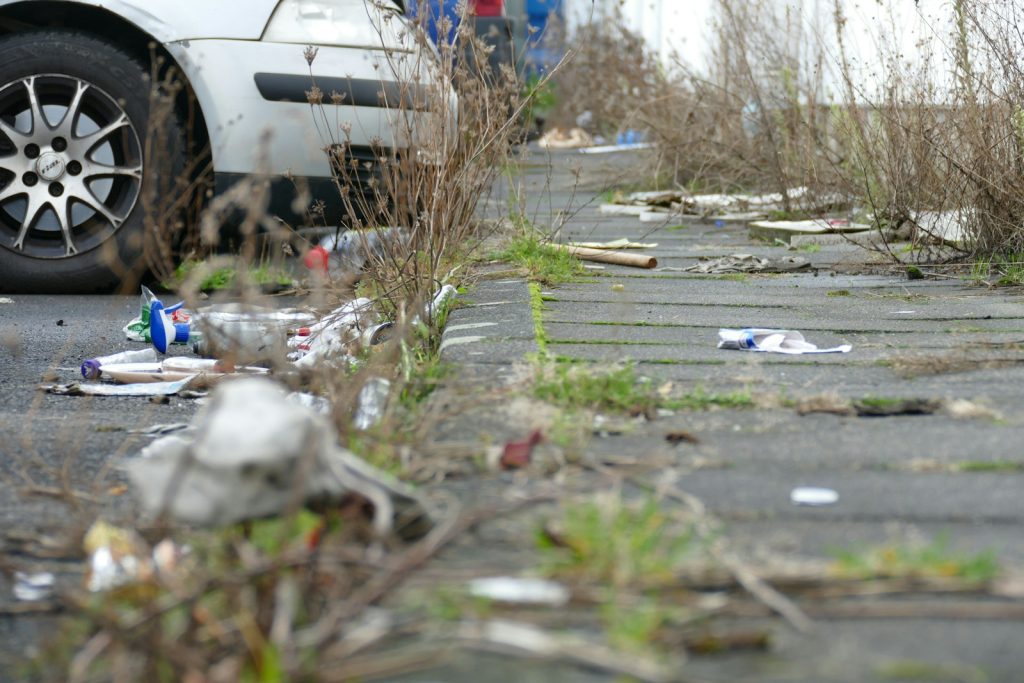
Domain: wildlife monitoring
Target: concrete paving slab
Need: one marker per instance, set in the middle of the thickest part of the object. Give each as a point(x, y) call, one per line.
point(892, 474)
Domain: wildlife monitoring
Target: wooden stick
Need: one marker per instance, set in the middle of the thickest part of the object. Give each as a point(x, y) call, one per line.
point(605, 256)
point(975, 610)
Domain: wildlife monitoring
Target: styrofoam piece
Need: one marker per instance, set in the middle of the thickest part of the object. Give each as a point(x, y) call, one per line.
point(623, 209)
point(816, 226)
point(658, 216)
point(813, 496)
point(608, 149)
point(521, 591)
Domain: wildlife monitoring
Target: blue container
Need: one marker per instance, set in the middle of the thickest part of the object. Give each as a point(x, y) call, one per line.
point(432, 12)
point(539, 56)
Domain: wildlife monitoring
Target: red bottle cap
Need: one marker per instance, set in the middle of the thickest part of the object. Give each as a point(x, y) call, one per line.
point(316, 258)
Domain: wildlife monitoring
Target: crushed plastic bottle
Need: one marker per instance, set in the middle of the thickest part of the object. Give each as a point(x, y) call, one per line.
point(33, 587)
point(93, 368)
point(347, 255)
point(331, 337)
point(138, 330)
point(247, 333)
point(373, 402)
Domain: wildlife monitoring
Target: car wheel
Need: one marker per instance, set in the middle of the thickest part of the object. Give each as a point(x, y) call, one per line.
point(74, 118)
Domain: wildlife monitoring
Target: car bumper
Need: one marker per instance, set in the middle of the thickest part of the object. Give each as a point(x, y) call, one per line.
point(270, 128)
point(310, 201)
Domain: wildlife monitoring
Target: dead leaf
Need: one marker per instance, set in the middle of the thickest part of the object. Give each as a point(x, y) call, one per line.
point(831, 404)
point(681, 436)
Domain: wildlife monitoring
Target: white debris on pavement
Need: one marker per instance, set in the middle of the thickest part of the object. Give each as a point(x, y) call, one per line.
point(771, 341)
point(329, 340)
point(316, 403)
point(521, 591)
point(33, 587)
point(147, 389)
point(815, 226)
point(813, 496)
point(747, 263)
point(253, 455)
point(661, 205)
point(372, 403)
point(945, 227)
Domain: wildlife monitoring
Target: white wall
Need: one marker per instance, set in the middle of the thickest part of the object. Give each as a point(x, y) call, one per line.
point(683, 28)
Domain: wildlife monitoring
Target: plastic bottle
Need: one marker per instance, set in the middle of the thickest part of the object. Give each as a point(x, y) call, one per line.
point(92, 368)
point(249, 333)
point(162, 328)
point(373, 402)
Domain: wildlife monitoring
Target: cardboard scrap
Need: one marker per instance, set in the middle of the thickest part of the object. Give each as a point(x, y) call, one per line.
point(614, 244)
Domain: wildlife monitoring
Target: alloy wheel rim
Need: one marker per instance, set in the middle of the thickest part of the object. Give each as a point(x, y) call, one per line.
point(65, 187)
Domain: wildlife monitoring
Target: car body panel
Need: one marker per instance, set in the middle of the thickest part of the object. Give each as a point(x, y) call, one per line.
point(247, 65)
point(255, 135)
point(221, 48)
point(172, 20)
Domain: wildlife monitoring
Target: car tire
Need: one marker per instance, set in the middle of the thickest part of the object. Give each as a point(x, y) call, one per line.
point(72, 209)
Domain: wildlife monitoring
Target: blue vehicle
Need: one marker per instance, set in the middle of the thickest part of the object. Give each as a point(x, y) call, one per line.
point(490, 22)
point(539, 55)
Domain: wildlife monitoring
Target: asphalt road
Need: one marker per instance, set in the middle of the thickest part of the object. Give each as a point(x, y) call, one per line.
point(60, 444)
point(899, 479)
point(894, 475)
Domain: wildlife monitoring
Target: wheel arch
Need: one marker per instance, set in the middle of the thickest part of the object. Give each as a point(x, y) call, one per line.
point(121, 33)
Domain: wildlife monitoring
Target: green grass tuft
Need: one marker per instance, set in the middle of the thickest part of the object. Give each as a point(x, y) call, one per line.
point(537, 309)
point(226, 277)
point(576, 387)
point(932, 560)
point(618, 544)
point(699, 399)
point(543, 263)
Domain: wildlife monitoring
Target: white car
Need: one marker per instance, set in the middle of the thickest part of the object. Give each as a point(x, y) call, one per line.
point(75, 137)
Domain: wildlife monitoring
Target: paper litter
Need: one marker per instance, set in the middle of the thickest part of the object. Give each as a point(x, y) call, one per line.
point(748, 263)
point(615, 244)
point(772, 341)
point(813, 496)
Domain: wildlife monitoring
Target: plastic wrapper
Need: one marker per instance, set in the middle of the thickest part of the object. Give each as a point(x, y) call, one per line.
point(33, 587)
point(93, 368)
point(373, 402)
point(772, 341)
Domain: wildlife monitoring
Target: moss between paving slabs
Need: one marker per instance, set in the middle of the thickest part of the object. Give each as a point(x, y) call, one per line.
point(627, 549)
point(916, 560)
point(576, 386)
point(537, 310)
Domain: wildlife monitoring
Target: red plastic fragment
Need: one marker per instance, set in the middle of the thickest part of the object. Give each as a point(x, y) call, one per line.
point(316, 258)
point(517, 454)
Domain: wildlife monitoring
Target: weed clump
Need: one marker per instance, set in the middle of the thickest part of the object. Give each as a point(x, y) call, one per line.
point(616, 543)
point(932, 560)
point(542, 262)
point(575, 387)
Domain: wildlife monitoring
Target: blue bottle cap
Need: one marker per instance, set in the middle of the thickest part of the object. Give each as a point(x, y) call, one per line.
point(163, 331)
point(91, 369)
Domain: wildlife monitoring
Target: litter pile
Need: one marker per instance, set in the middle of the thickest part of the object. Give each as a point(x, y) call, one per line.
point(254, 450)
point(662, 205)
point(254, 453)
point(748, 263)
point(557, 138)
point(231, 340)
